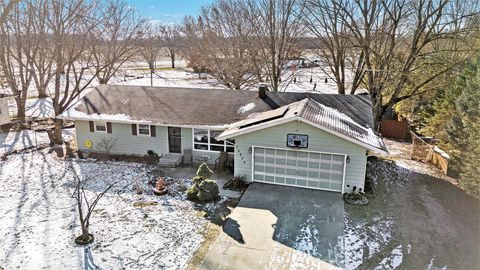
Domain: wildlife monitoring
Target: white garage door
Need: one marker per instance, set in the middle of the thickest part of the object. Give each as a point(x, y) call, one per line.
point(299, 168)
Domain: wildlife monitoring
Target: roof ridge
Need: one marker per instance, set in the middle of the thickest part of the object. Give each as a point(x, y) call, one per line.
point(303, 105)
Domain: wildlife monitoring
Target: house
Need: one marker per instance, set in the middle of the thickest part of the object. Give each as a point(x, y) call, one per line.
point(317, 141)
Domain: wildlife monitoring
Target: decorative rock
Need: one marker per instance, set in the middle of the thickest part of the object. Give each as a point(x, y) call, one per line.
point(355, 198)
point(80, 240)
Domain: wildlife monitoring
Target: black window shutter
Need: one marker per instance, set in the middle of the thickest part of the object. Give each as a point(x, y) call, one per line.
point(153, 131)
point(109, 127)
point(134, 129)
point(92, 128)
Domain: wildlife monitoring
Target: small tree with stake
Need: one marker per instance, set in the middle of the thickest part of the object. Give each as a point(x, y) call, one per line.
point(86, 205)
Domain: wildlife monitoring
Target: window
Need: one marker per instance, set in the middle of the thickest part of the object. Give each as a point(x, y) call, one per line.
point(100, 126)
point(205, 139)
point(143, 130)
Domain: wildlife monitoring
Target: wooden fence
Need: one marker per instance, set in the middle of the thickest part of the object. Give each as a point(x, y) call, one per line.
point(426, 152)
point(395, 129)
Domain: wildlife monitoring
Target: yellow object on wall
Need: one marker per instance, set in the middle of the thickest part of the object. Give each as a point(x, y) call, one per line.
point(88, 143)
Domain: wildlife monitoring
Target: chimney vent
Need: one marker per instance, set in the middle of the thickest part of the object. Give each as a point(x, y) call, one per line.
point(262, 89)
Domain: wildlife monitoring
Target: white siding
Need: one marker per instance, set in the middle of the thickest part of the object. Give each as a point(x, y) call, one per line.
point(126, 142)
point(318, 140)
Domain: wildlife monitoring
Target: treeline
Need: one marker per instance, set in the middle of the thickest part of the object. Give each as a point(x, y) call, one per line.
point(59, 48)
point(452, 115)
point(394, 49)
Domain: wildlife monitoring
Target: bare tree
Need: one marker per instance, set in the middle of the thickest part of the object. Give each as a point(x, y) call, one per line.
point(278, 26)
point(5, 8)
point(221, 41)
point(67, 66)
point(150, 46)
point(118, 32)
point(170, 38)
point(401, 46)
point(86, 202)
point(17, 50)
point(344, 62)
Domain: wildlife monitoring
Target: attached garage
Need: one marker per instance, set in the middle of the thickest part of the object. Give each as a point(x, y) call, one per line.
point(316, 170)
point(305, 144)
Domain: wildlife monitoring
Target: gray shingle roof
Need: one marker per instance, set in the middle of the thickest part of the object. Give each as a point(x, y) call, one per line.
point(206, 107)
point(313, 112)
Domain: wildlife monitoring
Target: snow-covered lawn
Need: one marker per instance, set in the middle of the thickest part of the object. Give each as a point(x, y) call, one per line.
point(38, 217)
point(17, 141)
point(401, 153)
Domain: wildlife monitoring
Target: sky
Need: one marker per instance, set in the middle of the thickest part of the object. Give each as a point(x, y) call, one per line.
point(168, 11)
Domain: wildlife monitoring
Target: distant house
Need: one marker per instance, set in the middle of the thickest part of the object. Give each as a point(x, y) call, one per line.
point(316, 141)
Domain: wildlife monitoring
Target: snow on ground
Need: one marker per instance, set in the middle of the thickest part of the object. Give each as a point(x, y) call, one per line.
point(401, 153)
point(137, 73)
point(303, 84)
point(36, 108)
point(17, 141)
point(38, 218)
point(170, 78)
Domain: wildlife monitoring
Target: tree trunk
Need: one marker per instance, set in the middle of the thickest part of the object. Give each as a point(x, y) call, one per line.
point(151, 77)
point(152, 66)
point(21, 115)
point(173, 61)
point(57, 131)
point(101, 80)
point(42, 92)
point(377, 110)
point(85, 235)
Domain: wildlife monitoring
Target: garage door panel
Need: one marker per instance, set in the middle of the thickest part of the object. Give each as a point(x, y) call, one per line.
point(299, 168)
point(313, 165)
point(269, 169)
point(335, 186)
point(269, 178)
point(313, 184)
point(302, 163)
point(280, 180)
point(326, 166)
point(301, 182)
point(337, 167)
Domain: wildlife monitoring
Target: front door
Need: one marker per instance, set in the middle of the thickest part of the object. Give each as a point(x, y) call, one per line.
point(174, 140)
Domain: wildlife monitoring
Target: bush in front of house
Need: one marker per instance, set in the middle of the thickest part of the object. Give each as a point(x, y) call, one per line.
point(207, 191)
point(151, 157)
point(204, 171)
point(203, 189)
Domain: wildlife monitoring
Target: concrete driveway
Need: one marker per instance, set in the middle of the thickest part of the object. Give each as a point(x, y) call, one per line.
point(279, 227)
